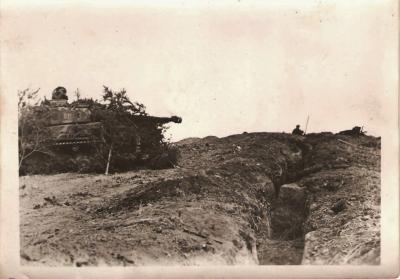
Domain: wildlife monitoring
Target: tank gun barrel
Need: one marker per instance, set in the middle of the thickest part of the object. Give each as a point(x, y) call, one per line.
point(159, 120)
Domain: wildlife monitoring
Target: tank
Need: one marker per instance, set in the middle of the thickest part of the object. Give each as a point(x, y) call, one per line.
point(76, 138)
point(72, 126)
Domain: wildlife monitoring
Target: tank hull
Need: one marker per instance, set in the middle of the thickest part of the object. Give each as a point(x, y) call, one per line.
point(78, 133)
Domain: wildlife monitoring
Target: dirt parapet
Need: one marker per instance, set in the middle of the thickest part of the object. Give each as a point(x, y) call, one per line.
point(343, 220)
point(243, 199)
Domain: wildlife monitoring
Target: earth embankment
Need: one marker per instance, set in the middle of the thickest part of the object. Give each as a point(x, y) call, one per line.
point(254, 198)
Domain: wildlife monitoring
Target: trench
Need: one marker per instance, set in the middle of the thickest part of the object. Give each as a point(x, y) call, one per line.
point(284, 242)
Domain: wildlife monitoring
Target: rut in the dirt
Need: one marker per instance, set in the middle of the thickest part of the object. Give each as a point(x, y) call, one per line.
point(284, 243)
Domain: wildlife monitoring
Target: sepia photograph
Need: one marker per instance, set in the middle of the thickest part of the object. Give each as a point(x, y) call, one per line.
point(189, 134)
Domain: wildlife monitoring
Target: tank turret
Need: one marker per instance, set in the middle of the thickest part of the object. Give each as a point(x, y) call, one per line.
point(70, 125)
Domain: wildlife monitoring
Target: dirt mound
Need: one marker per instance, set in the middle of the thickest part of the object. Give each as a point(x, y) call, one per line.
point(343, 222)
point(254, 198)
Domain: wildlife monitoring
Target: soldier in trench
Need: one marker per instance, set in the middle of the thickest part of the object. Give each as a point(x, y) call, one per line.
point(298, 131)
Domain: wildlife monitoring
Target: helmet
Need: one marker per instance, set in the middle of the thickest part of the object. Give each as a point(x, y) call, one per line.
point(60, 93)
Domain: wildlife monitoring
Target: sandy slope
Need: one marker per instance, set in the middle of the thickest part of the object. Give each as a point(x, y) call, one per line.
point(224, 204)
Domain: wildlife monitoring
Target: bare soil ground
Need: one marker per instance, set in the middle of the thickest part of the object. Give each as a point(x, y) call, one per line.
point(223, 204)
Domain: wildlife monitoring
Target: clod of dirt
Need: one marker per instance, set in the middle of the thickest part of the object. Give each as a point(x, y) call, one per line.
point(80, 263)
point(51, 200)
point(124, 259)
point(339, 206)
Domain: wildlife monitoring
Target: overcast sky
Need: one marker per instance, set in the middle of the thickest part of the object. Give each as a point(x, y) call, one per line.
point(226, 68)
